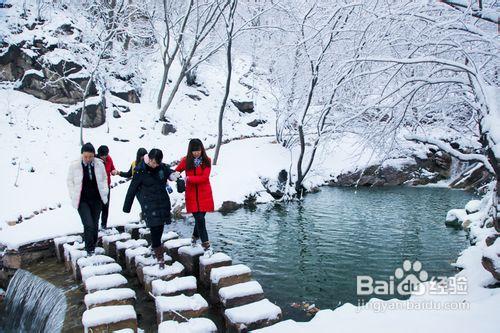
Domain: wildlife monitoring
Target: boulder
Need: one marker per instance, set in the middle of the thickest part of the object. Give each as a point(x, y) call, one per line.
point(244, 106)
point(168, 128)
point(256, 122)
point(229, 206)
point(94, 116)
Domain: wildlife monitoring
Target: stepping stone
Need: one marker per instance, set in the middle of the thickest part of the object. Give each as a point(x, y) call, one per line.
point(115, 296)
point(133, 229)
point(109, 242)
point(130, 255)
point(98, 270)
point(180, 285)
point(74, 255)
point(59, 244)
point(189, 256)
point(103, 282)
point(104, 319)
point(129, 244)
point(169, 236)
point(252, 316)
point(241, 294)
point(152, 273)
point(142, 261)
point(173, 245)
point(105, 232)
point(218, 259)
point(66, 250)
point(145, 233)
point(193, 325)
point(173, 307)
point(95, 260)
point(227, 276)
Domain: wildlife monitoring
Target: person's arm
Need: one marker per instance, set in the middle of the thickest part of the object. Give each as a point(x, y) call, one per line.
point(70, 181)
point(131, 192)
point(182, 165)
point(127, 174)
point(112, 164)
point(200, 179)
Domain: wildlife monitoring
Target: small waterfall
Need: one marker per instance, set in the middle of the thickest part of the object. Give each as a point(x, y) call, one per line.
point(32, 304)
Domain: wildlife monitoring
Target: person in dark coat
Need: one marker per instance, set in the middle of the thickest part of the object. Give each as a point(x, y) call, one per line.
point(141, 152)
point(103, 154)
point(199, 198)
point(149, 183)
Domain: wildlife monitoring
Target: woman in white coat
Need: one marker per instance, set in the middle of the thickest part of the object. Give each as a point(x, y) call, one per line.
point(88, 190)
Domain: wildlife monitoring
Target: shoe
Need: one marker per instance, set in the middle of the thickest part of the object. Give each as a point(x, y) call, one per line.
point(90, 253)
point(159, 256)
point(193, 241)
point(208, 249)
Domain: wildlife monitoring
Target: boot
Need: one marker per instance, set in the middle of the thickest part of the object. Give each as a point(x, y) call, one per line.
point(208, 249)
point(159, 256)
point(193, 241)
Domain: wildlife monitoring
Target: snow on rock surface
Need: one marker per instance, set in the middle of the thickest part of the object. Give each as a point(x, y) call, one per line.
point(193, 325)
point(168, 236)
point(131, 243)
point(253, 312)
point(98, 270)
point(102, 296)
point(160, 287)
point(94, 260)
point(107, 315)
point(180, 303)
point(222, 272)
point(156, 271)
point(215, 258)
point(240, 290)
point(191, 250)
point(177, 243)
point(138, 251)
point(67, 239)
point(95, 283)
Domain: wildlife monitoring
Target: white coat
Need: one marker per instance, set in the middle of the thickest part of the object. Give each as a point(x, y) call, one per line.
point(75, 180)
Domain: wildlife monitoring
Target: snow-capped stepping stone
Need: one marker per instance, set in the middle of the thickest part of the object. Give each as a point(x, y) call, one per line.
point(103, 282)
point(106, 269)
point(109, 242)
point(115, 296)
point(142, 261)
point(59, 244)
point(170, 307)
point(109, 319)
point(252, 316)
point(105, 232)
point(169, 236)
point(145, 233)
point(133, 229)
point(180, 285)
point(75, 255)
point(130, 255)
point(227, 276)
point(122, 246)
point(169, 272)
point(173, 245)
point(241, 294)
point(208, 263)
point(67, 249)
point(95, 260)
point(193, 325)
point(189, 256)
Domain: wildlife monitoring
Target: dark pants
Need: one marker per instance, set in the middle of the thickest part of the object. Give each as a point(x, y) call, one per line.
point(156, 233)
point(200, 229)
point(89, 213)
point(105, 212)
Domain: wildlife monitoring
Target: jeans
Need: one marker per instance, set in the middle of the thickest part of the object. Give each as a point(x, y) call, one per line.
point(105, 213)
point(200, 229)
point(156, 233)
point(89, 213)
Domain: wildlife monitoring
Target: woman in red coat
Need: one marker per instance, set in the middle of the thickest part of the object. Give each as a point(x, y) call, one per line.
point(199, 199)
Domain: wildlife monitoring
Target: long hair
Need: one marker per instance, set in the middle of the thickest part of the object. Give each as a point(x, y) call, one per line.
point(140, 153)
point(194, 145)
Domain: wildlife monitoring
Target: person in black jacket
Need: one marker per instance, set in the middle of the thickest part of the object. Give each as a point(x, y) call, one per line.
point(149, 183)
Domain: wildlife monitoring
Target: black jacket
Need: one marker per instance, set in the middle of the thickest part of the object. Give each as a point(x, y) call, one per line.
point(149, 186)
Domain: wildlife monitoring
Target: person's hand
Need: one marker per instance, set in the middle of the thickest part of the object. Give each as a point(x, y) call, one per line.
point(114, 172)
point(175, 175)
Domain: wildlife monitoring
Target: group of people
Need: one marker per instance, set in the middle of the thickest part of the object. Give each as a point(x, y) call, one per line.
point(89, 180)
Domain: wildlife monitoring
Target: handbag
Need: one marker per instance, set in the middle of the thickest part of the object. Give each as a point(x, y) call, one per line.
point(181, 185)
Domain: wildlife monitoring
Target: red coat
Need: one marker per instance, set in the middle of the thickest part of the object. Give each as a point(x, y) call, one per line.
point(198, 190)
point(109, 166)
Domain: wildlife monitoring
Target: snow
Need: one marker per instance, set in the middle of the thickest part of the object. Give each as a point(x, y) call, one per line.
point(77, 254)
point(67, 239)
point(68, 247)
point(456, 214)
point(150, 260)
point(156, 272)
point(191, 251)
point(193, 325)
point(94, 260)
point(98, 270)
point(103, 296)
point(131, 244)
point(177, 243)
point(215, 258)
point(240, 290)
point(168, 236)
point(115, 238)
point(138, 251)
point(131, 226)
point(180, 303)
point(177, 284)
point(222, 272)
point(473, 206)
point(107, 315)
point(253, 312)
point(146, 231)
point(96, 283)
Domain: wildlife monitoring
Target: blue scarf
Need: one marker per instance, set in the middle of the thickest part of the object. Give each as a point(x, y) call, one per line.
point(197, 162)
